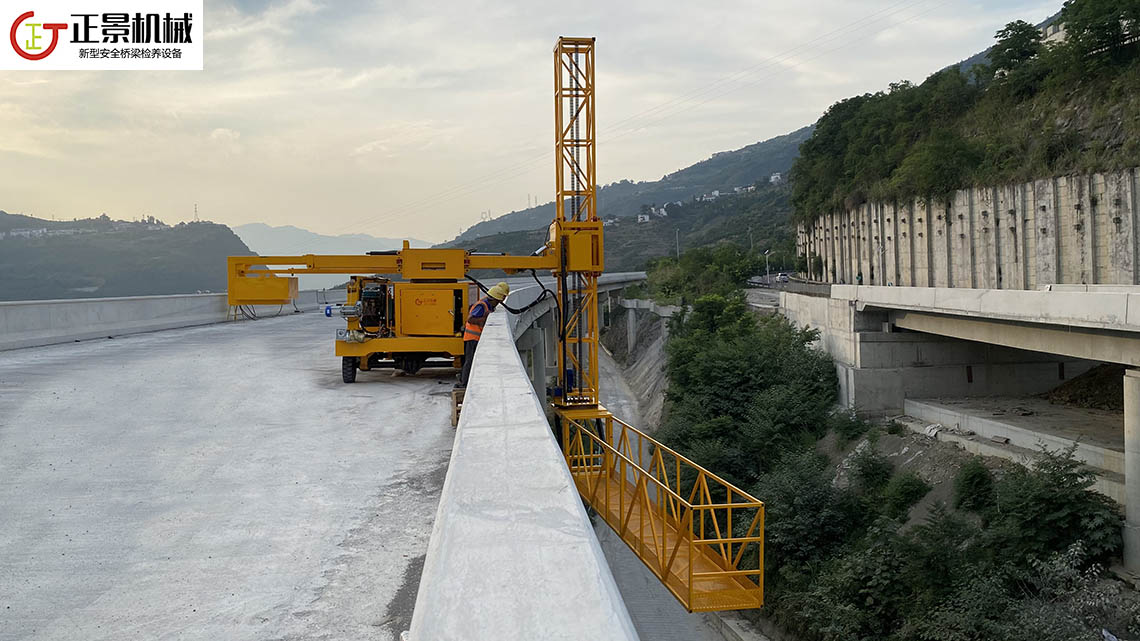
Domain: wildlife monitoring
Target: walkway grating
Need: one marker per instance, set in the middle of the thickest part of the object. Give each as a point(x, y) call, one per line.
point(700, 535)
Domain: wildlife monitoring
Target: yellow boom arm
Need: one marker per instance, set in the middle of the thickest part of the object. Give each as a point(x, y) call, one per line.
point(268, 280)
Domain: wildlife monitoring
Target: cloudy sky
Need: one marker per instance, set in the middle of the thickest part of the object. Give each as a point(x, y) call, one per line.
point(411, 118)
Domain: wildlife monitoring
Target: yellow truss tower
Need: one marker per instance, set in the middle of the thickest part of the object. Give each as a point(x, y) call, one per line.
point(576, 230)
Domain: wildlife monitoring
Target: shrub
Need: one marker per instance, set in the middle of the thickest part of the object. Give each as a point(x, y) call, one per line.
point(848, 426)
point(1042, 510)
point(973, 486)
point(806, 517)
point(870, 471)
point(902, 492)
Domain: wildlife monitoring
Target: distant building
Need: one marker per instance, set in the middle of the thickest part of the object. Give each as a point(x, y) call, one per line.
point(643, 218)
point(776, 178)
point(27, 233)
point(1053, 33)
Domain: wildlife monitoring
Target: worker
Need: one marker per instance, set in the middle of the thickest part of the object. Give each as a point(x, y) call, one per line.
point(476, 319)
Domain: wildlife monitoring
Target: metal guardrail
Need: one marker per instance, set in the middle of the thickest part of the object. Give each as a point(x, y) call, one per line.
point(700, 535)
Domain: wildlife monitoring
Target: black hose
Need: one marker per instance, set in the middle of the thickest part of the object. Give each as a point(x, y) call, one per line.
point(546, 293)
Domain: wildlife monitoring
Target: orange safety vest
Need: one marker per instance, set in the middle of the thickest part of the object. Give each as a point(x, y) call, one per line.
point(474, 327)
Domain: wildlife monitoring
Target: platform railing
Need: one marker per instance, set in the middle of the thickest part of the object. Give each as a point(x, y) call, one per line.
point(699, 534)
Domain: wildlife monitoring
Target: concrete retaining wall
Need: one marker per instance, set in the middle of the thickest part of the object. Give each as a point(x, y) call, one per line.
point(1070, 229)
point(512, 554)
point(48, 322)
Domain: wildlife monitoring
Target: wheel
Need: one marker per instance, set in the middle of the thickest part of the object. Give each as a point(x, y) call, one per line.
point(348, 365)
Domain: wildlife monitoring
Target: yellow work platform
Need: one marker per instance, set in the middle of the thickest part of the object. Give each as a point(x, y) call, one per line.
point(700, 535)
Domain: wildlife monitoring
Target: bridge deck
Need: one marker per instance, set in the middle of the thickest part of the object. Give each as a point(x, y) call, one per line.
point(217, 482)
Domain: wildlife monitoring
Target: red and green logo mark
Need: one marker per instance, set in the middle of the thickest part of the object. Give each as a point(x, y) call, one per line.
point(31, 48)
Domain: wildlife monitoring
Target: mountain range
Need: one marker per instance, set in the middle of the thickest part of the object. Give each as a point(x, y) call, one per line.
point(723, 172)
point(98, 257)
point(287, 240)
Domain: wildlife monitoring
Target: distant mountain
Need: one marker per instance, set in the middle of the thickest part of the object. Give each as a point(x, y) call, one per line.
point(757, 219)
point(97, 257)
point(288, 240)
point(722, 172)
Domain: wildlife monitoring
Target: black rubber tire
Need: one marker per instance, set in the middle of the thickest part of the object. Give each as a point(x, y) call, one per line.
point(348, 366)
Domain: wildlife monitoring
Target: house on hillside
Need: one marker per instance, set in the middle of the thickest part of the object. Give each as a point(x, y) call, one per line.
point(1053, 33)
point(27, 233)
point(776, 178)
point(643, 218)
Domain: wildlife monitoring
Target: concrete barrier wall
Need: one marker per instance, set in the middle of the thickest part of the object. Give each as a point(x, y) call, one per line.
point(512, 554)
point(48, 322)
point(1069, 229)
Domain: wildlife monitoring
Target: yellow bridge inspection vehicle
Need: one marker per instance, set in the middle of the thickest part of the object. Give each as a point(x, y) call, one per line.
point(701, 536)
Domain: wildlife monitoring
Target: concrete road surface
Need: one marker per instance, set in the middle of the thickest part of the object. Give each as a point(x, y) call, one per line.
point(214, 483)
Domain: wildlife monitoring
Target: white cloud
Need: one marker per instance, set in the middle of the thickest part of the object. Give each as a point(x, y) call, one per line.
point(415, 117)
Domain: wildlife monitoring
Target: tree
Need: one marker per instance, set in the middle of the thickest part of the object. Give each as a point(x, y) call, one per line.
point(1099, 27)
point(1017, 43)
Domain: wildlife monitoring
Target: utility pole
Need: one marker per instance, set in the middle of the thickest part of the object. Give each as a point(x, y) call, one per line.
point(767, 270)
point(678, 244)
point(195, 212)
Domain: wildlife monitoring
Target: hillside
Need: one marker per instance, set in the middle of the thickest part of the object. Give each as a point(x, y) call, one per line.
point(631, 245)
point(266, 240)
point(722, 172)
point(983, 57)
point(1051, 109)
point(42, 259)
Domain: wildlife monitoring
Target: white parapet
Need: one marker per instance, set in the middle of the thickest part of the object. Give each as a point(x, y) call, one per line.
point(32, 323)
point(512, 554)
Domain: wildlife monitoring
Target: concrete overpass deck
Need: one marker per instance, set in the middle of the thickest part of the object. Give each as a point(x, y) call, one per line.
point(986, 342)
point(216, 482)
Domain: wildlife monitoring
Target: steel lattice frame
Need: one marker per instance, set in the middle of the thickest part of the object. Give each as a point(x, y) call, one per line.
point(576, 202)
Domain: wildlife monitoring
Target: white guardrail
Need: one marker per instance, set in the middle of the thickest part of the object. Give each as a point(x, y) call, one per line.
point(48, 322)
point(512, 556)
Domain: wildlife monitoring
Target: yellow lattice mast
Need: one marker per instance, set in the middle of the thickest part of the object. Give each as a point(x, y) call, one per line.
point(576, 230)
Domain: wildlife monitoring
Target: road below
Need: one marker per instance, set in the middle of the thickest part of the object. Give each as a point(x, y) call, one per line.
point(214, 483)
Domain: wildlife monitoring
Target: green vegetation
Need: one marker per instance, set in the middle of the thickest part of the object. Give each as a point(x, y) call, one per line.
point(110, 259)
point(1037, 111)
point(848, 555)
point(974, 486)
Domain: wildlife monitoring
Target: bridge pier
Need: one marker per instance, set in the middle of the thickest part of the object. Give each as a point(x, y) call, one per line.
point(533, 346)
point(1132, 471)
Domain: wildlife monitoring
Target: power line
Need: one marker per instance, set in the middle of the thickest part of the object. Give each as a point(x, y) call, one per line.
point(525, 166)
